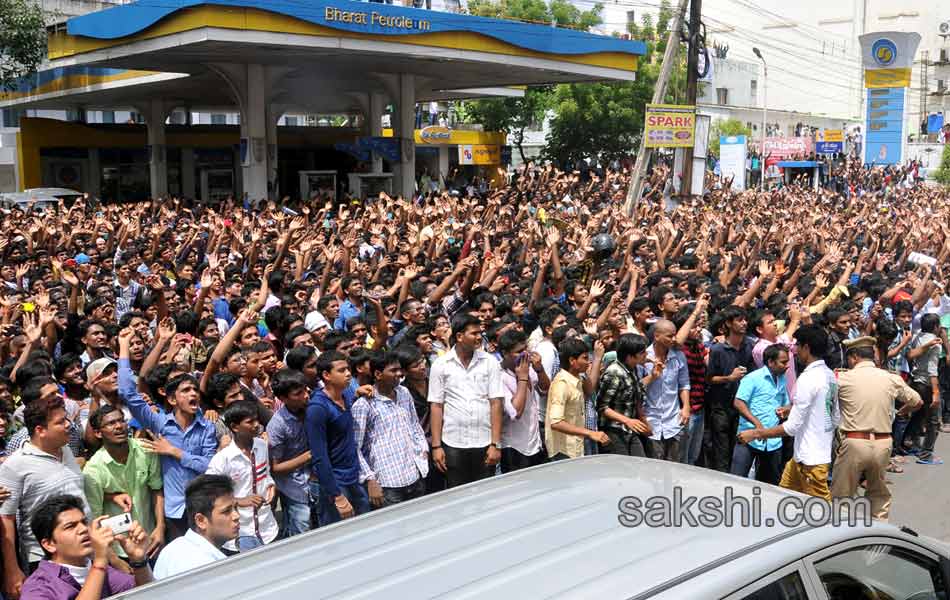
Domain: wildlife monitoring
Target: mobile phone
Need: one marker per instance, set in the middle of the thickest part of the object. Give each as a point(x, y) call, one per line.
point(119, 523)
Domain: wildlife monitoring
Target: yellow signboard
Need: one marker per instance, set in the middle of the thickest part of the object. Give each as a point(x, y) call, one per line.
point(886, 78)
point(670, 126)
point(831, 135)
point(478, 154)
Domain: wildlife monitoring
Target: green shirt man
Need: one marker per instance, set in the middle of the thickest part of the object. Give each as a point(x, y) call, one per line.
point(121, 473)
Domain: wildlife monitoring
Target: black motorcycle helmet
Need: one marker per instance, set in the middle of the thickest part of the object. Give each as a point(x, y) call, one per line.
point(603, 245)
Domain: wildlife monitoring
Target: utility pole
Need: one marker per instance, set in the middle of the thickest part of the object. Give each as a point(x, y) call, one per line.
point(644, 153)
point(692, 66)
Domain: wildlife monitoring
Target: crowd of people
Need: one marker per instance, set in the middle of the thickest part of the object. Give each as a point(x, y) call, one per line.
point(229, 377)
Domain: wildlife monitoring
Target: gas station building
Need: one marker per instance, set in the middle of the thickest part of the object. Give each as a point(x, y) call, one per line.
point(265, 58)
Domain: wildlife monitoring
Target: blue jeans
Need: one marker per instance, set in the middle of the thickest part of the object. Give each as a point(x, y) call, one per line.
point(898, 429)
point(591, 448)
point(248, 542)
point(296, 517)
point(689, 452)
point(314, 494)
point(355, 493)
point(768, 465)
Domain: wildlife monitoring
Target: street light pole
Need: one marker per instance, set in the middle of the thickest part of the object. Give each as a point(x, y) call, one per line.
point(765, 109)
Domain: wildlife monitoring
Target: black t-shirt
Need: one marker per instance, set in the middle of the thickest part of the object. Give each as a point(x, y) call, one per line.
point(723, 360)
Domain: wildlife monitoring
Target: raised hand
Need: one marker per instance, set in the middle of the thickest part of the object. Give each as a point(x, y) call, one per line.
point(166, 329)
point(597, 288)
point(207, 278)
point(590, 327)
point(31, 327)
point(47, 314)
point(296, 224)
point(155, 283)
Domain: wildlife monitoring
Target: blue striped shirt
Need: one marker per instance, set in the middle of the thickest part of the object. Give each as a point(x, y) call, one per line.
point(198, 442)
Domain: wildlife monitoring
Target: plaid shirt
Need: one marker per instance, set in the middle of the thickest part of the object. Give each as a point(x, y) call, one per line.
point(696, 362)
point(448, 306)
point(390, 442)
point(621, 391)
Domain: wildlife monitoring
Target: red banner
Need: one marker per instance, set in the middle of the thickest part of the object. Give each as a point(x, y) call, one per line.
point(787, 148)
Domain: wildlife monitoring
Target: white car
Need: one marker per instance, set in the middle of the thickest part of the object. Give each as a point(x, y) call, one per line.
point(565, 530)
point(41, 198)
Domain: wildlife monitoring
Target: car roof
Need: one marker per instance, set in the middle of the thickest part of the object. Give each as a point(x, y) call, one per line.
point(53, 191)
point(37, 197)
point(550, 531)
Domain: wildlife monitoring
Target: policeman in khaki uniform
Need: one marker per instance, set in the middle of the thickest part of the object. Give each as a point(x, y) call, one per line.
point(867, 396)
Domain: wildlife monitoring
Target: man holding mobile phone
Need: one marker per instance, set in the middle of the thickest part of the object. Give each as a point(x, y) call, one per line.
point(77, 554)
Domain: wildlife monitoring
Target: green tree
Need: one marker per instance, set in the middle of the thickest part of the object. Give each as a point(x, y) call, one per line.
point(604, 121)
point(726, 127)
point(515, 115)
point(943, 173)
point(22, 40)
point(512, 115)
point(598, 121)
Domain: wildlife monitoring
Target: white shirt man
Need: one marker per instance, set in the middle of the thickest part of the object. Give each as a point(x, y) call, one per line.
point(521, 433)
point(465, 394)
point(812, 420)
point(232, 461)
point(190, 552)
point(467, 411)
point(214, 520)
point(814, 414)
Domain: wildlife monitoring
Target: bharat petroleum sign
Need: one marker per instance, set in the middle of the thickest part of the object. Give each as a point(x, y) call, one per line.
point(884, 52)
point(375, 19)
point(435, 134)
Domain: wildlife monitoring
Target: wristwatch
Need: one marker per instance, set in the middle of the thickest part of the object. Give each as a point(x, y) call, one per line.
point(138, 565)
point(493, 444)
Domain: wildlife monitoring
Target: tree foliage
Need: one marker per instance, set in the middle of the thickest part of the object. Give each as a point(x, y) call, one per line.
point(22, 40)
point(943, 173)
point(726, 127)
point(515, 115)
point(604, 121)
point(597, 121)
point(558, 12)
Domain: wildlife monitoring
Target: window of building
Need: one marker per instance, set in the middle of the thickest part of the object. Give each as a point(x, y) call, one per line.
point(219, 119)
point(754, 92)
point(108, 116)
point(10, 117)
point(722, 96)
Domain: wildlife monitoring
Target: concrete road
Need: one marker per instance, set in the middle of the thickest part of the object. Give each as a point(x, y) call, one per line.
point(921, 495)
